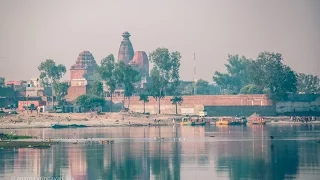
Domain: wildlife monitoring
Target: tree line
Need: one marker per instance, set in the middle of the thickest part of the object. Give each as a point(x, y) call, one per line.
point(164, 77)
point(264, 75)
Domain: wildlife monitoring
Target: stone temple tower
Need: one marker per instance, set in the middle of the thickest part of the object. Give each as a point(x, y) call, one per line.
point(126, 50)
point(140, 60)
point(81, 75)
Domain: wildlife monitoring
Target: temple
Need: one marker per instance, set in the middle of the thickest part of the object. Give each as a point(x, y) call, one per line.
point(141, 62)
point(138, 60)
point(126, 50)
point(81, 75)
point(82, 72)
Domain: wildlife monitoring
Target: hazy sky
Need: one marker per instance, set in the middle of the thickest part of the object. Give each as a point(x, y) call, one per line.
point(32, 31)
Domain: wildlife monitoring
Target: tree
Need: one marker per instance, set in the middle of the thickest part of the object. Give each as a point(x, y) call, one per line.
point(61, 90)
point(157, 86)
point(50, 74)
point(144, 98)
point(2, 81)
point(237, 74)
point(107, 73)
point(269, 73)
point(176, 100)
point(127, 77)
point(308, 84)
point(202, 87)
point(214, 89)
point(188, 89)
point(96, 89)
point(165, 72)
point(251, 89)
point(89, 102)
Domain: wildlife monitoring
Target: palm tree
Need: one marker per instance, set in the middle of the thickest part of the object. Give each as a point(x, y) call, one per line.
point(177, 100)
point(144, 98)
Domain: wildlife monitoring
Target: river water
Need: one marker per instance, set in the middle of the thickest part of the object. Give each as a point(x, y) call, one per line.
point(182, 152)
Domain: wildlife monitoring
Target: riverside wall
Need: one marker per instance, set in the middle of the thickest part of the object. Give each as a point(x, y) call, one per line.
point(300, 105)
point(229, 105)
point(240, 110)
point(216, 105)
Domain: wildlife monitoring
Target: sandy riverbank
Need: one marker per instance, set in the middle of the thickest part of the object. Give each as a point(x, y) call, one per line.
point(45, 120)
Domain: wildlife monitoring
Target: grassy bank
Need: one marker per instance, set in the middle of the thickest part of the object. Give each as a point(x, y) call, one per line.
point(13, 137)
point(23, 144)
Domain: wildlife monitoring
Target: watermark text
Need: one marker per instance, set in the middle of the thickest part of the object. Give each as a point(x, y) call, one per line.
point(40, 178)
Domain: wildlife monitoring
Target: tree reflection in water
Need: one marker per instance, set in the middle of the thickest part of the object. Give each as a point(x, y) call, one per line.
point(234, 153)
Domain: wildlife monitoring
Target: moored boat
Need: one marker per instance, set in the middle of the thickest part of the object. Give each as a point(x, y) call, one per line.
point(231, 121)
point(185, 121)
point(210, 120)
point(223, 121)
point(193, 121)
point(256, 119)
point(198, 122)
point(238, 121)
point(58, 126)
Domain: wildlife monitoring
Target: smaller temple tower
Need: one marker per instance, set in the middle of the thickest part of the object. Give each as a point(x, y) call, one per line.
point(126, 50)
point(81, 75)
point(140, 60)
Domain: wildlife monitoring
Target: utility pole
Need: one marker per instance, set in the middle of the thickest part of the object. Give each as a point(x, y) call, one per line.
point(27, 104)
point(194, 75)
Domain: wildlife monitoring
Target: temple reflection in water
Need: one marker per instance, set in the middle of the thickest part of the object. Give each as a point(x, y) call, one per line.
point(185, 153)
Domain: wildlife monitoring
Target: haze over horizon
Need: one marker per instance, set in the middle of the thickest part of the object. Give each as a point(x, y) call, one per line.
point(33, 30)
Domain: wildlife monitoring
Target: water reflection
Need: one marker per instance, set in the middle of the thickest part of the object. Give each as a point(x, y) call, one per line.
point(237, 152)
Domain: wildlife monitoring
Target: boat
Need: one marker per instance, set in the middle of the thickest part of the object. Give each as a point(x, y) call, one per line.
point(185, 121)
point(238, 121)
point(198, 122)
point(59, 126)
point(231, 121)
point(77, 125)
point(193, 121)
point(223, 121)
point(56, 126)
point(256, 119)
point(210, 120)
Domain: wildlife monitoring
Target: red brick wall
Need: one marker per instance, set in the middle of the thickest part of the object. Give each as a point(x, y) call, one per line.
point(75, 91)
point(197, 102)
point(77, 73)
point(208, 100)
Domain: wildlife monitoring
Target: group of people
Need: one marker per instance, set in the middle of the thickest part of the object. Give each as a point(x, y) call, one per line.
point(156, 121)
point(303, 119)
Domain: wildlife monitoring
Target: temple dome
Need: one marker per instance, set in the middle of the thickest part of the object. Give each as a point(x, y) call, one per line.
point(140, 59)
point(126, 51)
point(85, 60)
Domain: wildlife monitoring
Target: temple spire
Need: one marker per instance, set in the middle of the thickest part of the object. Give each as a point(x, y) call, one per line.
point(126, 51)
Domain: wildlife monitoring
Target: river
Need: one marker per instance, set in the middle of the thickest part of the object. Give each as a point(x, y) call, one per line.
point(181, 152)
